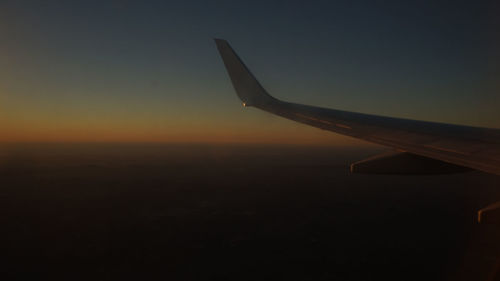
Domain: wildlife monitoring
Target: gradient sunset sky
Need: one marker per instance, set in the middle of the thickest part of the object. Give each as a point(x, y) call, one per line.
point(149, 71)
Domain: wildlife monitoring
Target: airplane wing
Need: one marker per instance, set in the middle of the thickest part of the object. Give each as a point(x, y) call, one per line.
point(442, 146)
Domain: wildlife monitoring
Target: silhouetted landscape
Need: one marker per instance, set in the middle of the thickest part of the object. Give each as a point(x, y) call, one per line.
point(235, 212)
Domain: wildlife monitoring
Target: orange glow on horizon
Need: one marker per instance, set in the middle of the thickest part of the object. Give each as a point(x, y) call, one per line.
point(30, 121)
point(222, 137)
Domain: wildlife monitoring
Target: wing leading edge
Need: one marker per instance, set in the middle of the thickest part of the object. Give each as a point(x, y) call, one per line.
point(471, 147)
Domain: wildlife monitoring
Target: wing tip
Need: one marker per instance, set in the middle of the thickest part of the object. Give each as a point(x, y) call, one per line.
point(245, 84)
point(220, 41)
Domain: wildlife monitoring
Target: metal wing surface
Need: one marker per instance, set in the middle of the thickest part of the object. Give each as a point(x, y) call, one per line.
point(472, 147)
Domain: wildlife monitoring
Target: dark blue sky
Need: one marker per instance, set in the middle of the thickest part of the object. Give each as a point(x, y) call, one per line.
point(149, 70)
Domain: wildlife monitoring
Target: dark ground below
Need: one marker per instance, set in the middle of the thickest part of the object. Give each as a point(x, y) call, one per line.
point(194, 212)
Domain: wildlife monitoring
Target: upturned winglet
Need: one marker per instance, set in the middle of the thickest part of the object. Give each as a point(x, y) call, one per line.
point(246, 86)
